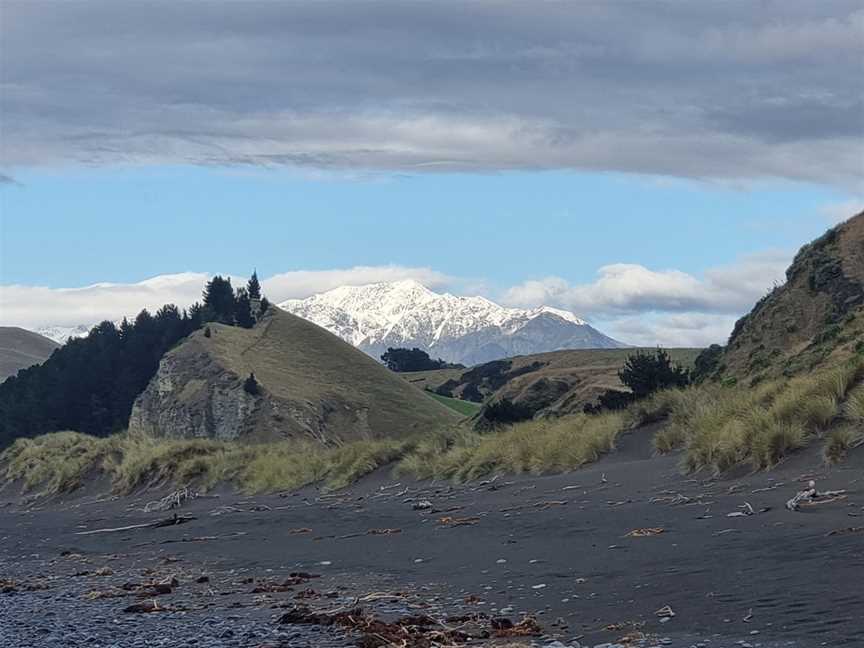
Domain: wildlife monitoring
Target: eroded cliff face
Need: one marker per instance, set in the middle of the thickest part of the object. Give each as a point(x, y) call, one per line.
point(193, 395)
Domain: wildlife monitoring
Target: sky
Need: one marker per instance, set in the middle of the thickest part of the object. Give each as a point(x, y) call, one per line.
point(651, 166)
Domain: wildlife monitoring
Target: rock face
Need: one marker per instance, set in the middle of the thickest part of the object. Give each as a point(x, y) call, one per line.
point(310, 385)
point(468, 330)
point(816, 316)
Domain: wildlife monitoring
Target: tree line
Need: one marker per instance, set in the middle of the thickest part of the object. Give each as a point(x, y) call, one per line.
point(89, 384)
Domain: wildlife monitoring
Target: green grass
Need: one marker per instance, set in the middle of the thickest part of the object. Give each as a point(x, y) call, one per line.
point(465, 408)
point(722, 427)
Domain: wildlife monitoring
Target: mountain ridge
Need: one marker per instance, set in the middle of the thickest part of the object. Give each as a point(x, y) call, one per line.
point(470, 330)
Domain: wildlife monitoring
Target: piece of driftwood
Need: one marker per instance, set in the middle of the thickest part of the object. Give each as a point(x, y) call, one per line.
point(811, 496)
point(172, 521)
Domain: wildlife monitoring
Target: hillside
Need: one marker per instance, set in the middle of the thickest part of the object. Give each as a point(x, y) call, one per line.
point(556, 383)
point(20, 348)
point(815, 318)
point(312, 385)
point(466, 330)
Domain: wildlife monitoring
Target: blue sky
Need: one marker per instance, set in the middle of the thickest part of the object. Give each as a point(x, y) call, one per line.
point(652, 170)
point(500, 228)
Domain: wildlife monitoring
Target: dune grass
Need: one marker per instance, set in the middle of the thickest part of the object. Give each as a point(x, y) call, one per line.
point(63, 461)
point(543, 446)
point(721, 427)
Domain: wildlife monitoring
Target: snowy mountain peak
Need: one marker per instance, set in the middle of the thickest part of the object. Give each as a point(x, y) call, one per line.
point(406, 313)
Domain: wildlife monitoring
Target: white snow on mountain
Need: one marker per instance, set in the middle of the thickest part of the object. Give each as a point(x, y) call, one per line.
point(469, 330)
point(62, 334)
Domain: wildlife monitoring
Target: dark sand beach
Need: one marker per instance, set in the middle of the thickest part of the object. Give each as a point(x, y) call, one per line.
point(560, 548)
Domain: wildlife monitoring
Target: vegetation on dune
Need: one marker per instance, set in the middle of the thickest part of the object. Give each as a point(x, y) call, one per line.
point(723, 426)
point(64, 461)
point(545, 446)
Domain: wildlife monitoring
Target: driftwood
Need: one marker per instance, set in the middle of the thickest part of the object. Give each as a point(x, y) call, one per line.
point(812, 496)
point(172, 521)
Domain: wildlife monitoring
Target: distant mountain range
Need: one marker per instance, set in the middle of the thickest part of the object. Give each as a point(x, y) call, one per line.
point(468, 330)
point(61, 334)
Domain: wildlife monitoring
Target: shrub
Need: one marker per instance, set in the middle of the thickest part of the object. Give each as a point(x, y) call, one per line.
point(505, 411)
point(839, 442)
point(644, 373)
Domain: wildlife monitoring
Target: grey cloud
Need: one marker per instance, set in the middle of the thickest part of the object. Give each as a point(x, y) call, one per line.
point(711, 90)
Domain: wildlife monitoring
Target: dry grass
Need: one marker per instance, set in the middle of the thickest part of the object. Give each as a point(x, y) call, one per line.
point(64, 461)
point(722, 427)
point(840, 441)
point(543, 446)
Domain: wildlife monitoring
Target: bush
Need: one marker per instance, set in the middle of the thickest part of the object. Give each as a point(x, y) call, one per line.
point(645, 373)
point(250, 385)
point(401, 360)
point(505, 411)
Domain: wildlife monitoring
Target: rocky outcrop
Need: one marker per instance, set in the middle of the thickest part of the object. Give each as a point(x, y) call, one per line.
point(309, 383)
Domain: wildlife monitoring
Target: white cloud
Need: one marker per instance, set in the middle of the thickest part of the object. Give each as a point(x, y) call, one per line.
point(677, 330)
point(36, 306)
point(840, 212)
point(303, 283)
point(624, 288)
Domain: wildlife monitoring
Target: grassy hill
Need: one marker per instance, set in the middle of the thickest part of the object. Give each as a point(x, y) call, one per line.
point(20, 348)
point(555, 383)
point(312, 384)
point(815, 319)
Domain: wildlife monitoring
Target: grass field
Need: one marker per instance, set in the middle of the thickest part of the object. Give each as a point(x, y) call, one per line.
point(465, 408)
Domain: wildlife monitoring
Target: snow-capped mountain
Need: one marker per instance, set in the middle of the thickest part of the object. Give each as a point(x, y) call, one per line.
point(61, 334)
point(469, 330)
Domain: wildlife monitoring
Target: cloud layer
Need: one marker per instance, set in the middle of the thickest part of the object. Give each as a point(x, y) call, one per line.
point(710, 90)
point(633, 303)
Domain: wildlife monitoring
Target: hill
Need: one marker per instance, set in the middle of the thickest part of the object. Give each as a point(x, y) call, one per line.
point(466, 330)
point(311, 383)
point(20, 348)
point(555, 383)
point(815, 318)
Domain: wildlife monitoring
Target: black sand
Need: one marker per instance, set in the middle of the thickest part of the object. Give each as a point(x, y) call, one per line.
point(556, 547)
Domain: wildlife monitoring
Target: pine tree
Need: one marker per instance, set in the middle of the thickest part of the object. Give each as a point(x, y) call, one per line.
point(253, 287)
point(219, 300)
point(265, 304)
point(243, 309)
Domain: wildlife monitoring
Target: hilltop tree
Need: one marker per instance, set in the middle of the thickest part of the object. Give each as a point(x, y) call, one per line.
point(253, 287)
point(243, 309)
point(219, 300)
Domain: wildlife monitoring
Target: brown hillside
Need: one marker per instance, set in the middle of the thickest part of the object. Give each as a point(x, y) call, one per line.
point(312, 384)
point(554, 383)
point(817, 316)
point(20, 348)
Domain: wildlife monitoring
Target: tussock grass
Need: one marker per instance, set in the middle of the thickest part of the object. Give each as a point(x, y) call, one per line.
point(543, 446)
point(721, 427)
point(63, 461)
point(840, 441)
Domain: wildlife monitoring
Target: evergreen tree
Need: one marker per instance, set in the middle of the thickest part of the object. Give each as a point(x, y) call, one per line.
point(253, 287)
point(250, 385)
point(644, 373)
point(243, 309)
point(219, 300)
point(265, 305)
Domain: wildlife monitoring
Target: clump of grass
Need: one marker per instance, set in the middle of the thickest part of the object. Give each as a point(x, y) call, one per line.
point(543, 446)
point(59, 462)
point(839, 442)
point(853, 409)
point(656, 407)
point(724, 426)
